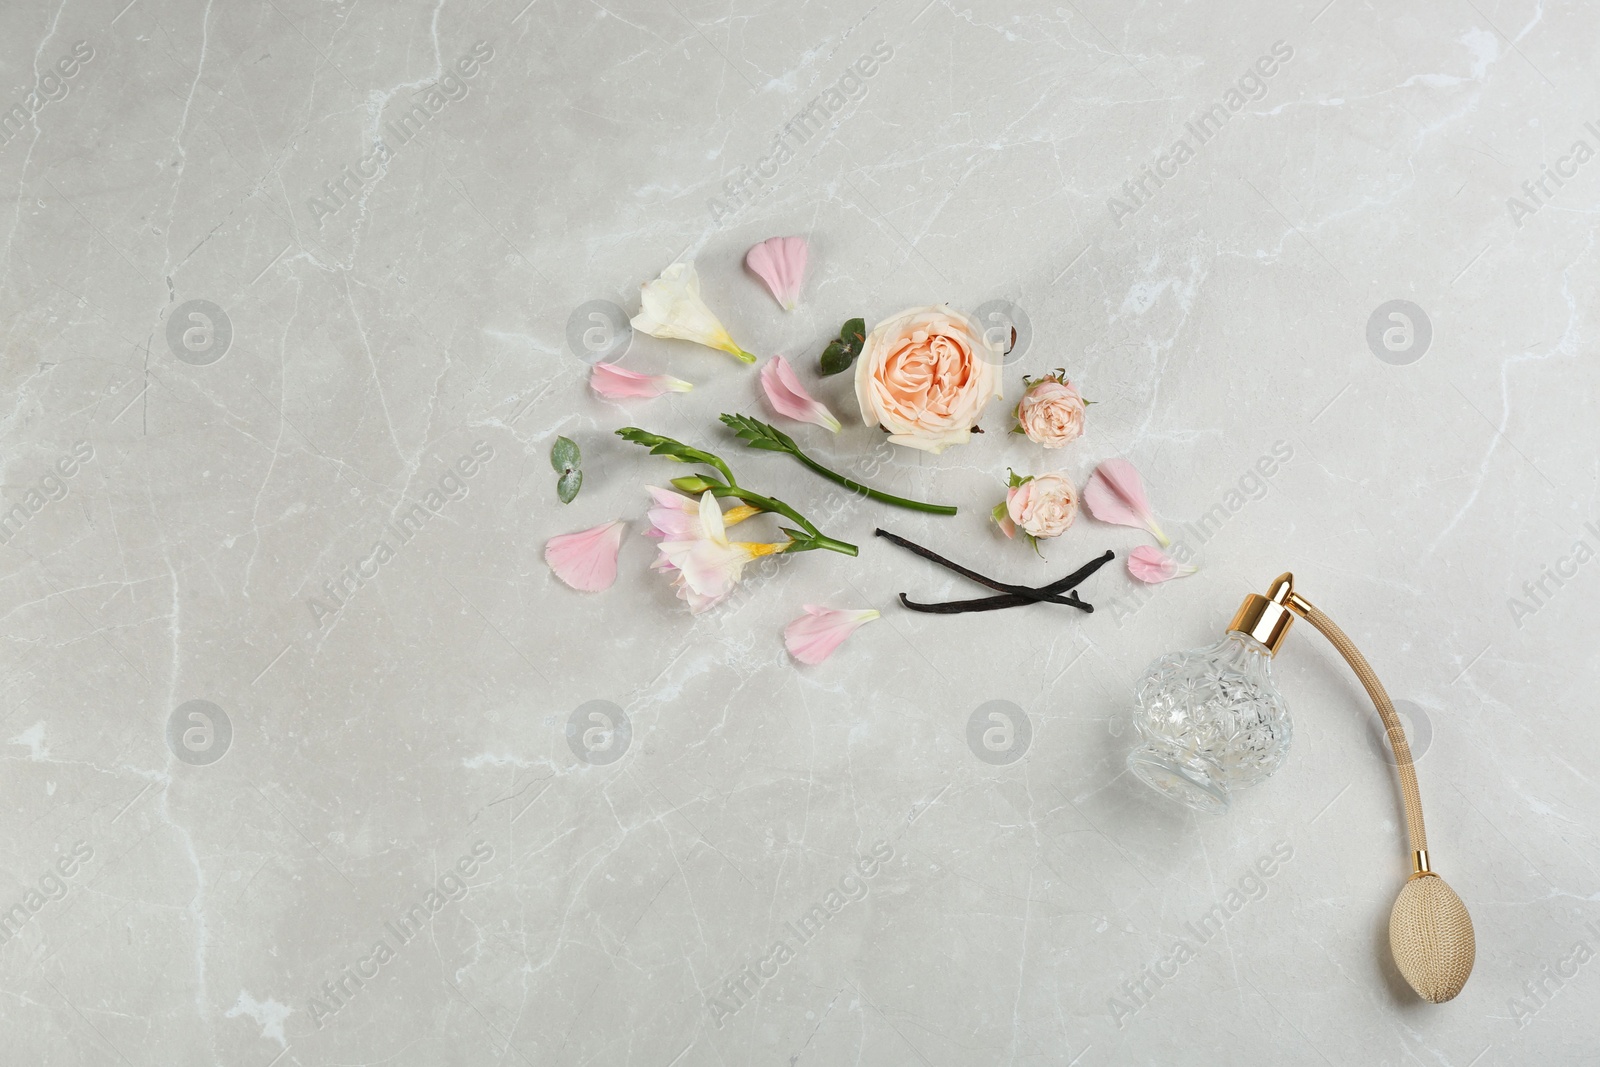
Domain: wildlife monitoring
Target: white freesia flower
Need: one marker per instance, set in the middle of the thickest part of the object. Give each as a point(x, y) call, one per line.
point(671, 306)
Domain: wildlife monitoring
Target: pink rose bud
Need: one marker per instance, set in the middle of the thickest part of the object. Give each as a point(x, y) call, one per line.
point(1051, 411)
point(1040, 507)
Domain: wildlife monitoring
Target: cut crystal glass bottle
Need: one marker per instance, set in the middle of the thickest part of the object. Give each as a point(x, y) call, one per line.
point(1212, 721)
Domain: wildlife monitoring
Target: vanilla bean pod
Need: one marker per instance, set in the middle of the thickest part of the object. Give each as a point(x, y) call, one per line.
point(990, 603)
point(1026, 593)
point(1013, 595)
point(1013, 600)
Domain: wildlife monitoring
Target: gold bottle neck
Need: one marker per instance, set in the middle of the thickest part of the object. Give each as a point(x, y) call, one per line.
point(1267, 618)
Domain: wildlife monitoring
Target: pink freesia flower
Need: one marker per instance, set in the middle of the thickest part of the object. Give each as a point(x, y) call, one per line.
point(586, 560)
point(1115, 494)
point(707, 564)
point(813, 636)
point(676, 517)
point(790, 399)
point(781, 263)
point(1153, 565)
point(614, 383)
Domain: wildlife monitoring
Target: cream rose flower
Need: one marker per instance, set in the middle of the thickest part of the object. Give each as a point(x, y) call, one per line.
point(1040, 507)
point(1051, 412)
point(926, 375)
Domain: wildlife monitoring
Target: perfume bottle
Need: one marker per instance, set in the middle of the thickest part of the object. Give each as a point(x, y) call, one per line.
point(1212, 719)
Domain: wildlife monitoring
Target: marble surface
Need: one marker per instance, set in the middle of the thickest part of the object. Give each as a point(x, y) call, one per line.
point(205, 883)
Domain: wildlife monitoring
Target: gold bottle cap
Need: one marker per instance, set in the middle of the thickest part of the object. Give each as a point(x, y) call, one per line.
point(1267, 618)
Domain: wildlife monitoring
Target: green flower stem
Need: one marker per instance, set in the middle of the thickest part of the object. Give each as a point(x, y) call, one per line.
point(801, 540)
point(823, 541)
point(871, 493)
point(715, 461)
point(673, 449)
point(759, 435)
point(815, 538)
point(765, 503)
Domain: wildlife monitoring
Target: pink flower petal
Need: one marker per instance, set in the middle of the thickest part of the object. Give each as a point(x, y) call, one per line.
point(671, 498)
point(675, 517)
point(614, 383)
point(1153, 565)
point(697, 602)
point(781, 263)
point(813, 636)
point(586, 560)
point(790, 399)
point(1115, 494)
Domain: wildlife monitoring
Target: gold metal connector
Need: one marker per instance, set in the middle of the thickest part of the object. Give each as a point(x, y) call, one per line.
point(1419, 865)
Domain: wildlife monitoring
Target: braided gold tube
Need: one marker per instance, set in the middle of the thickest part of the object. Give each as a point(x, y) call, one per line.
point(1430, 931)
point(1409, 792)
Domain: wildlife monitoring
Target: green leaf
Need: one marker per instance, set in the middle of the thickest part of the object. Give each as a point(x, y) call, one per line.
point(853, 333)
point(565, 456)
point(839, 354)
point(568, 484)
point(799, 540)
point(758, 434)
point(835, 359)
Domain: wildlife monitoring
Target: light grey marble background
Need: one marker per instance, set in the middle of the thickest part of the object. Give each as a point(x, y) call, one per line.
point(175, 911)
